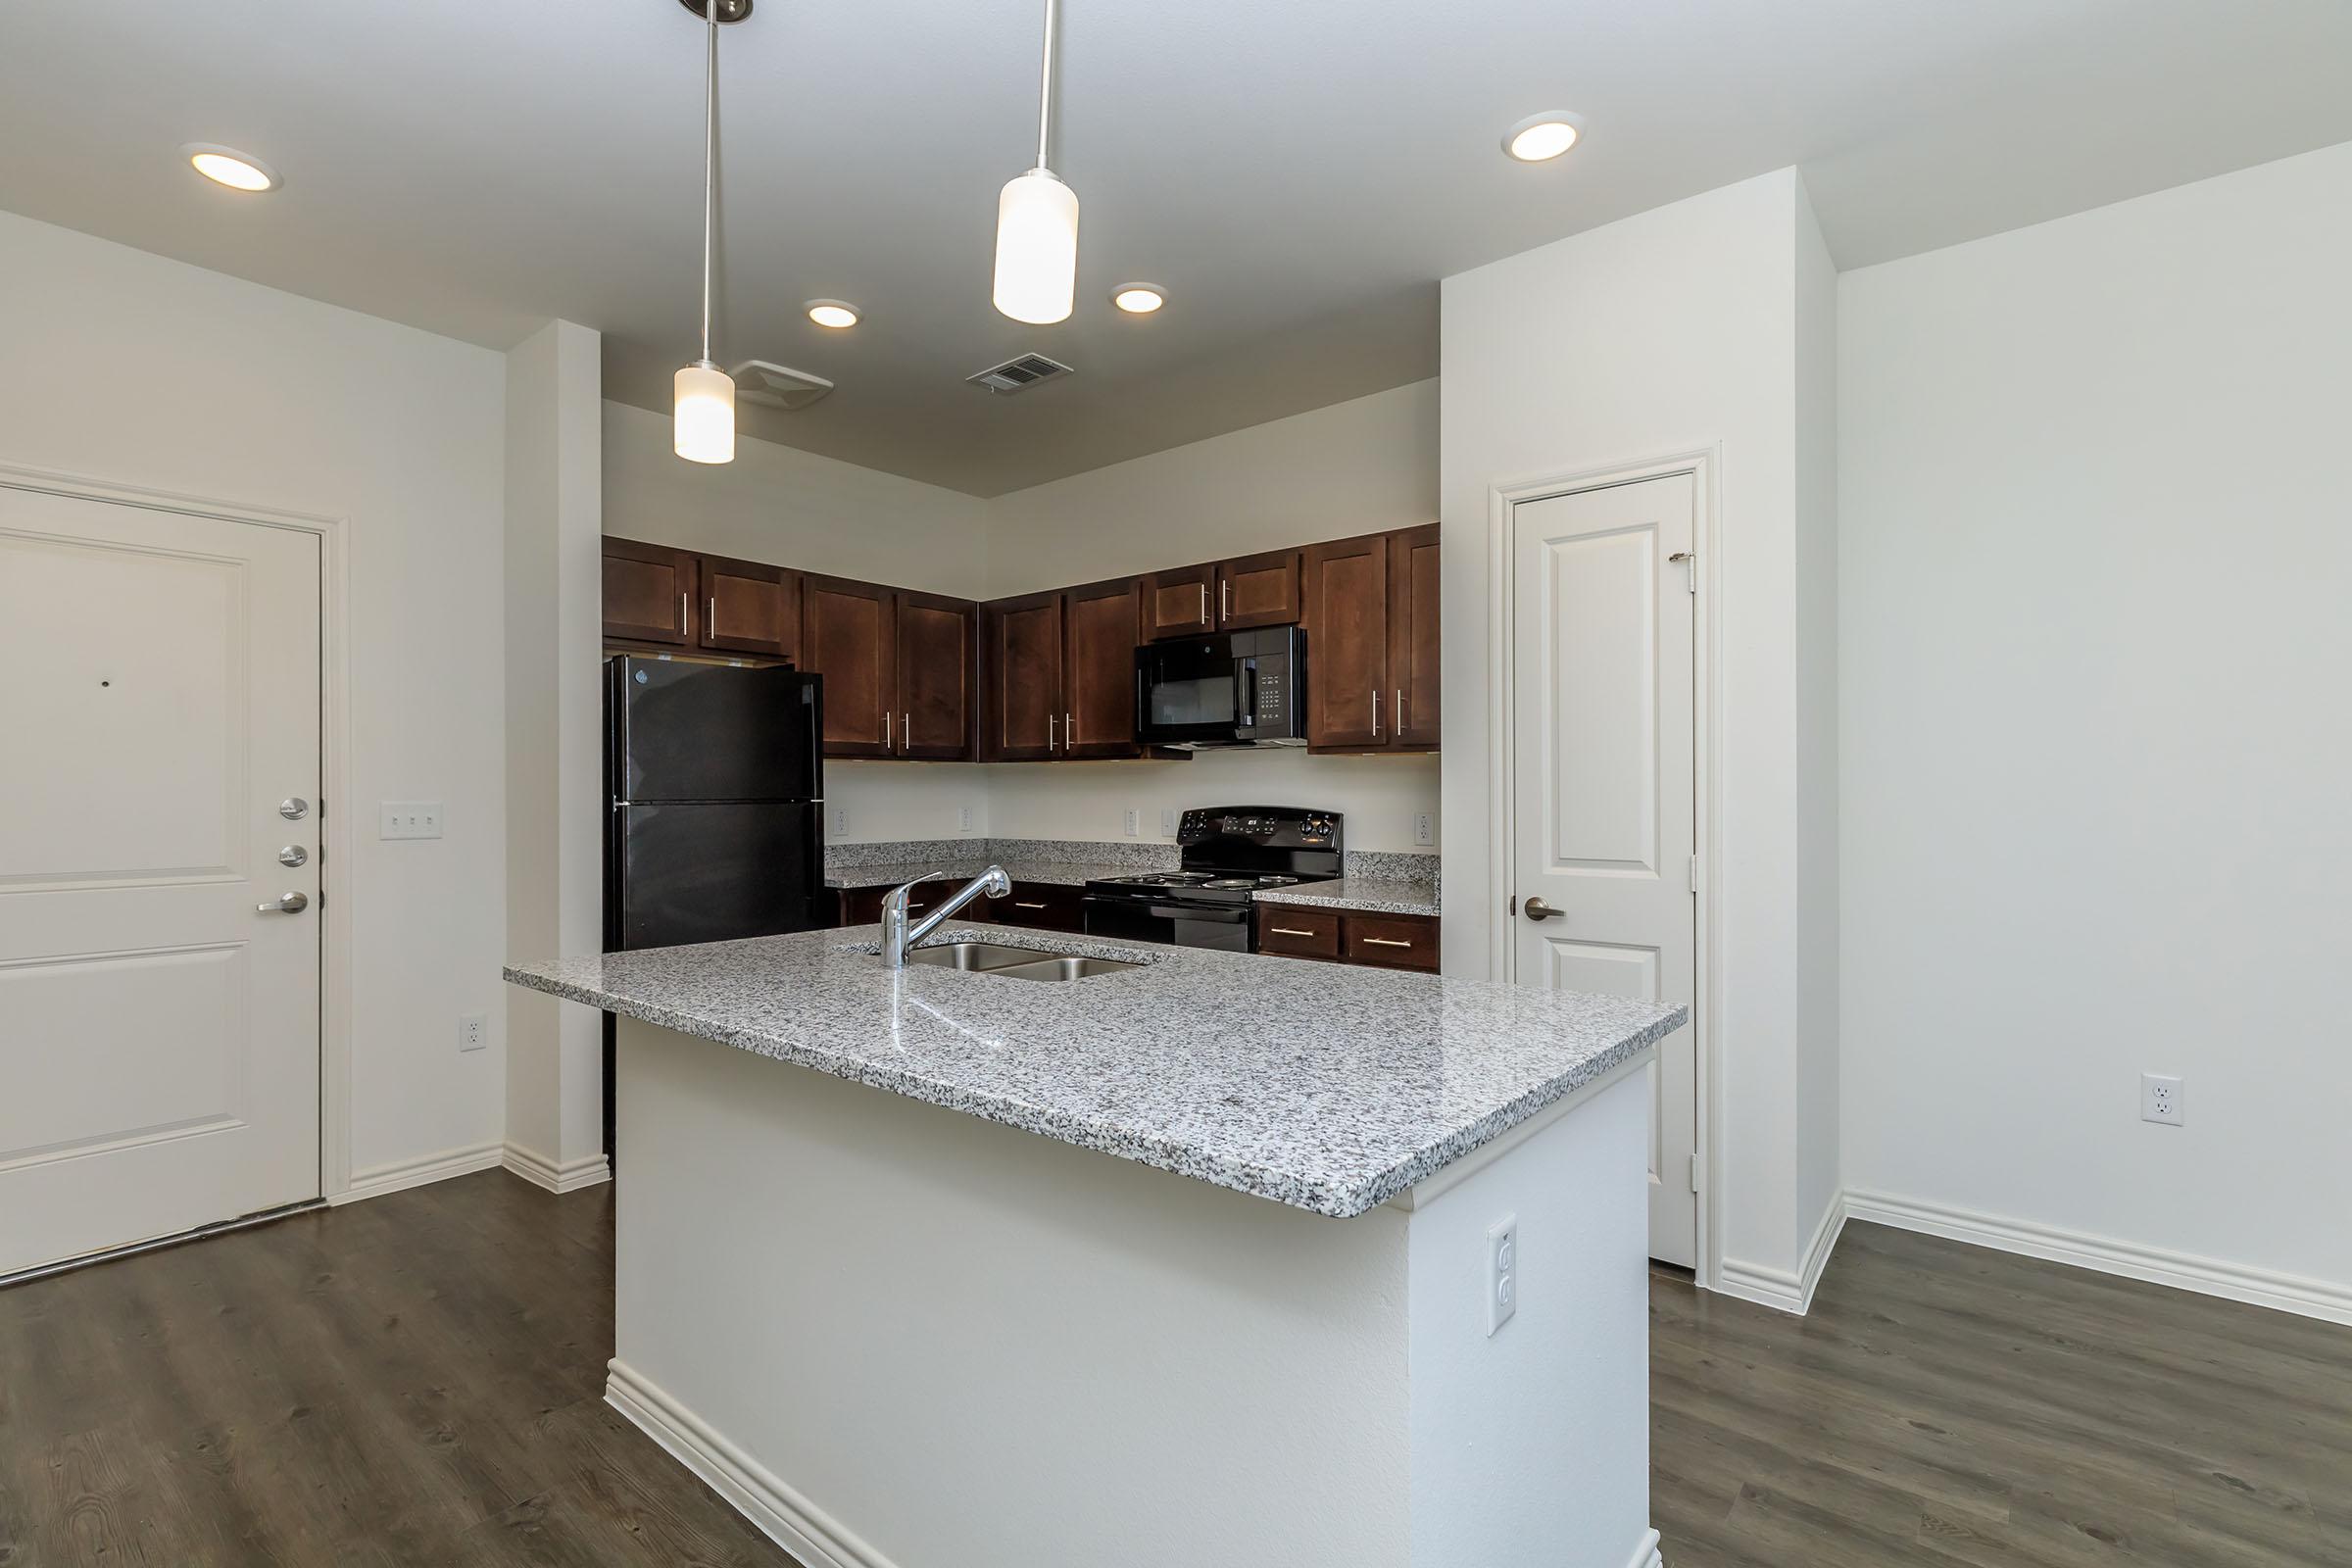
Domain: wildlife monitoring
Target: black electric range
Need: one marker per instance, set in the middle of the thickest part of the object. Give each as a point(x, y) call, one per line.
point(1226, 854)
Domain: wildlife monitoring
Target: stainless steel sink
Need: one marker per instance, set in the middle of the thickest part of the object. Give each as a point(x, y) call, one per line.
point(1015, 964)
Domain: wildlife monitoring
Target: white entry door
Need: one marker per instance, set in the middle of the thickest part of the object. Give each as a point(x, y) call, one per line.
point(1603, 796)
point(159, 1032)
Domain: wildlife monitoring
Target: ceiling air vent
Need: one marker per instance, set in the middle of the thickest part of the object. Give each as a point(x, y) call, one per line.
point(777, 386)
point(1018, 375)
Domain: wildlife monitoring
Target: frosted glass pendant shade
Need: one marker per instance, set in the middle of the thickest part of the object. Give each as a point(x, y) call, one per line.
point(704, 427)
point(1037, 248)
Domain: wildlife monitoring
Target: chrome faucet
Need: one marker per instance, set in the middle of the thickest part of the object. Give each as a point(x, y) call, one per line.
point(898, 940)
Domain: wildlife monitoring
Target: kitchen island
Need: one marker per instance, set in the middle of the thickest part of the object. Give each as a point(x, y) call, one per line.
point(1186, 1262)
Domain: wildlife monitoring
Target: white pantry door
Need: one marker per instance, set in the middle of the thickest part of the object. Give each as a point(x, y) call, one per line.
point(158, 1034)
point(1605, 796)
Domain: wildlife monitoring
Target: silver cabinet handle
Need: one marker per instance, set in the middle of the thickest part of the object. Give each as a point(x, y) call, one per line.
point(1397, 698)
point(1537, 909)
point(290, 904)
point(886, 729)
point(1049, 734)
point(1069, 733)
point(1385, 942)
point(1018, 904)
point(1205, 603)
point(681, 615)
point(906, 732)
point(1294, 931)
point(1224, 598)
point(1376, 713)
point(710, 619)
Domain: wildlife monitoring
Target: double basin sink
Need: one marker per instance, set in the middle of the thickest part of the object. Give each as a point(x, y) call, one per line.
point(1015, 964)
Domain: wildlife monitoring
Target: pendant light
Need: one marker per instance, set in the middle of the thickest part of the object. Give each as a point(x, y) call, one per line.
point(1036, 225)
point(704, 428)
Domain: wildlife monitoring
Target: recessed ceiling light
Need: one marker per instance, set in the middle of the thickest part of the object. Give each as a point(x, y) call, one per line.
point(1139, 299)
point(833, 313)
point(226, 166)
point(1543, 137)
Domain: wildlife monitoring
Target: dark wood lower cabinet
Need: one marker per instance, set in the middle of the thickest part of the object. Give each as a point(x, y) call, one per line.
point(1041, 906)
point(1348, 936)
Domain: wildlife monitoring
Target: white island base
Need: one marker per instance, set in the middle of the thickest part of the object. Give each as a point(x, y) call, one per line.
point(897, 1336)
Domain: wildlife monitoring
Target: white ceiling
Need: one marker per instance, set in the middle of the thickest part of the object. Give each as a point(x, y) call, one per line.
point(1298, 173)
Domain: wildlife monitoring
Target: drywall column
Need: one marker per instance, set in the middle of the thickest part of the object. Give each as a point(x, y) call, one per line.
point(554, 640)
point(1674, 331)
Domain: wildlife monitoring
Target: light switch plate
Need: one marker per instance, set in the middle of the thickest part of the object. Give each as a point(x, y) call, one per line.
point(1135, 822)
point(410, 819)
point(839, 819)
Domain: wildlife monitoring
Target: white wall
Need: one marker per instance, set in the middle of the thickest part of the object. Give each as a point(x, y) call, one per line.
point(1354, 467)
point(556, 807)
point(2093, 643)
point(778, 503)
point(1674, 330)
point(124, 366)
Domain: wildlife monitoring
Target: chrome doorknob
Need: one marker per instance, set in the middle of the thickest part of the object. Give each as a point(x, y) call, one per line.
point(1537, 909)
point(290, 904)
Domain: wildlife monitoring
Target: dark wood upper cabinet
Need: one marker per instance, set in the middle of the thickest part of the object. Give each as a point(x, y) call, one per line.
point(938, 684)
point(1347, 622)
point(1258, 591)
point(650, 593)
point(1021, 656)
point(749, 608)
point(1413, 683)
point(1178, 602)
point(1097, 669)
point(848, 636)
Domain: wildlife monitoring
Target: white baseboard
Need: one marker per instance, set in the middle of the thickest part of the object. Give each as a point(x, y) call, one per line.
point(568, 1177)
point(2237, 1282)
point(1646, 1555)
point(782, 1514)
point(1777, 1287)
point(400, 1174)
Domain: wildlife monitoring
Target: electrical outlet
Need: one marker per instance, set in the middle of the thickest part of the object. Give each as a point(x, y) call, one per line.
point(409, 819)
point(473, 1031)
point(2160, 1098)
point(1168, 821)
point(1135, 822)
point(839, 817)
point(1503, 1272)
point(964, 818)
point(1425, 827)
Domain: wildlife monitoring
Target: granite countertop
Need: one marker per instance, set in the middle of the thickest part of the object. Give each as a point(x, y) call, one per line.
point(1370, 895)
point(1332, 1096)
point(962, 868)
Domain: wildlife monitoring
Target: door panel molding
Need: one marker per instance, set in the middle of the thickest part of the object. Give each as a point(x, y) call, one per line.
point(336, 822)
point(1704, 462)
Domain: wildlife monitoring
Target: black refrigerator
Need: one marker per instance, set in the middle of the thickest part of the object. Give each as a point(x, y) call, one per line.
point(715, 780)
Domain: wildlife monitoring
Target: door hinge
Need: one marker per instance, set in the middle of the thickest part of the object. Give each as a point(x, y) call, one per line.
point(1513, 907)
point(1688, 560)
point(1697, 879)
point(1695, 1173)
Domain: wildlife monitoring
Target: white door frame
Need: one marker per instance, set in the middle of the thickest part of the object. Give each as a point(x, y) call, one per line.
point(336, 812)
point(1702, 464)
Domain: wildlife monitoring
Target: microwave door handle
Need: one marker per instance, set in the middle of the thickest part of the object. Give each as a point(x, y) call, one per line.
point(1245, 693)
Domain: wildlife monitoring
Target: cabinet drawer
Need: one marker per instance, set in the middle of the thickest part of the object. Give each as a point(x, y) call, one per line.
point(1298, 930)
point(863, 905)
point(1046, 905)
point(1391, 941)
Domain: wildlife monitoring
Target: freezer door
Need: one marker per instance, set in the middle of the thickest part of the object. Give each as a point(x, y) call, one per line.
point(713, 732)
point(712, 872)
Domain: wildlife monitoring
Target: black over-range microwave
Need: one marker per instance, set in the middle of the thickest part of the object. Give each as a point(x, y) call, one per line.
point(1231, 688)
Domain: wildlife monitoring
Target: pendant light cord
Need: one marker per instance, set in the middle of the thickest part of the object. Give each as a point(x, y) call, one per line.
point(709, 162)
point(1045, 91)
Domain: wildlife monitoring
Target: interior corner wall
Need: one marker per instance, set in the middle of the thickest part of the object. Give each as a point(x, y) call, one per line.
point(1355, 468)
point(2093, 638)
point(249, 396)
point(816, 513)
point(555, 721)
point(1673, 330)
